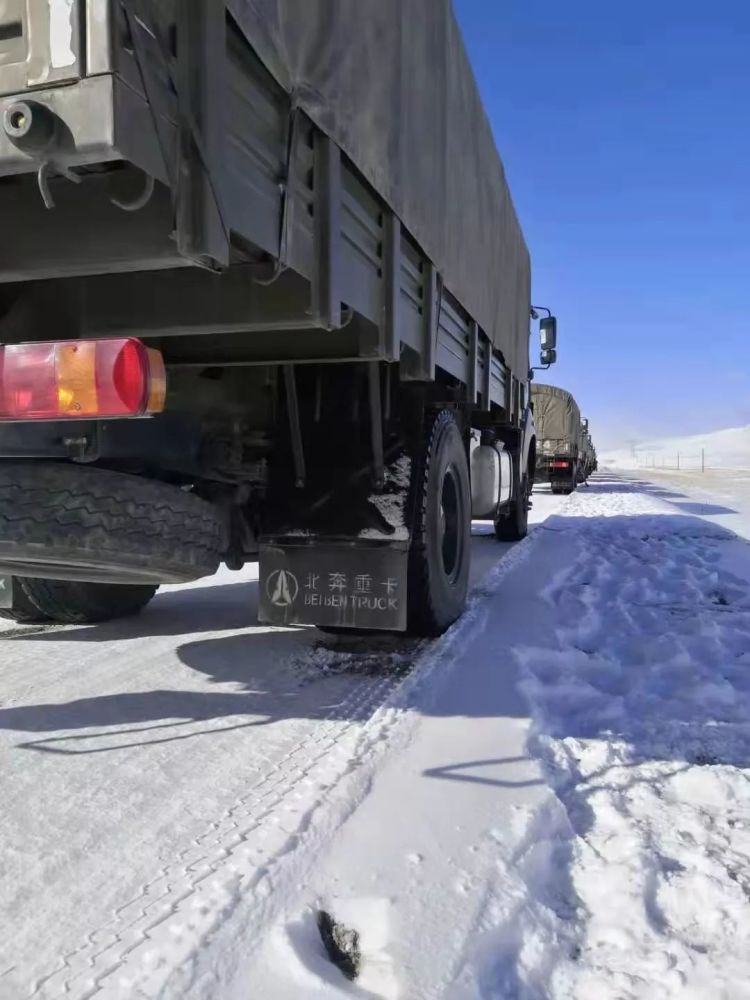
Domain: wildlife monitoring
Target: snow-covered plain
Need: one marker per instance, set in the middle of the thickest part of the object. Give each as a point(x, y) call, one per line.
point(724, 449)
point(550, 801)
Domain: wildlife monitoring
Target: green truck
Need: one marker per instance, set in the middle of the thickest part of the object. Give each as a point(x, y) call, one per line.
point(565, 452)
point(263, 296)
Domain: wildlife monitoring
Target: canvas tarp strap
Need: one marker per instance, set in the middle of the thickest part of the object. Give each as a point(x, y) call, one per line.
point(390, 82)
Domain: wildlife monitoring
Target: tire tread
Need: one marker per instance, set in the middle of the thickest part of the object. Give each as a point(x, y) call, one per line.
point(90, 510)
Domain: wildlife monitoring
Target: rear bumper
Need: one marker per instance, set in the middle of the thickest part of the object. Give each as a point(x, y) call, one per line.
point(549, 469)
point(97, 120)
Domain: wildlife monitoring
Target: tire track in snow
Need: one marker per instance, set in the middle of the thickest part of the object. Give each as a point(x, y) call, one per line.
point(84, 971)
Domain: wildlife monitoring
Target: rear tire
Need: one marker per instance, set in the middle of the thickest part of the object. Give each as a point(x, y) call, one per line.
point(73, 522)
point(440, 553)
point(74, 602)
point(24, 611)
point(513, 525)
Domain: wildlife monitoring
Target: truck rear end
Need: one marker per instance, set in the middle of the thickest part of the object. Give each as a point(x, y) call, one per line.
point(560, 458)
point(233, 327)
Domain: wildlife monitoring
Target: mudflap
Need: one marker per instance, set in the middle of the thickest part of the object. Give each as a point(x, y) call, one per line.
point(6, 593)
point(335, 584)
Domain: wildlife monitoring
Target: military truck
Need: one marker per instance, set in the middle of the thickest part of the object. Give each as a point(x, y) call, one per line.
point(263, 296)
point(561, 448)
point(588, 463)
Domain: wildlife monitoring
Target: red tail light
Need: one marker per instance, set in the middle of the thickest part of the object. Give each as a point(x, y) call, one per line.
point(559, 465)
point(80, 379)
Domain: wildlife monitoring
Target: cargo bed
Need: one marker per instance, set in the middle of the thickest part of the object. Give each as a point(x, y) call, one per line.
point(300, 258)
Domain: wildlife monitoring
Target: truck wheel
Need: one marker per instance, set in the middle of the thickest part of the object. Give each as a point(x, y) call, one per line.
point(73, 522)
point(512, 524)
point(77, 603)
point(441, 544)
point(24, 611)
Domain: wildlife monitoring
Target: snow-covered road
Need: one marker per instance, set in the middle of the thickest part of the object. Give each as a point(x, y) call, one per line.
point(162, 760)
point(552, 800)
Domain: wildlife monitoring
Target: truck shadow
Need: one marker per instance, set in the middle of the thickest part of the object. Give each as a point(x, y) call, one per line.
point(217, 607)
point(264, 679)
point(704, 509)
point(214, 608)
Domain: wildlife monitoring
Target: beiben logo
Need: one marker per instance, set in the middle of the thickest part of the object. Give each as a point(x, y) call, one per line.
point(282, 588)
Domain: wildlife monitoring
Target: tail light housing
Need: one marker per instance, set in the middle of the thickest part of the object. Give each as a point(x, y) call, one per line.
point(559, 465)
point(81, 379)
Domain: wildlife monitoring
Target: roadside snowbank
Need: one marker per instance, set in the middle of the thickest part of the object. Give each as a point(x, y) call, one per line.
point(588, 840)
point(642, 722)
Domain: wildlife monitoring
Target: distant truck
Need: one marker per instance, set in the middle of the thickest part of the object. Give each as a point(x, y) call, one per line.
point(589, 464)
point(263, 296)
point(565, 452)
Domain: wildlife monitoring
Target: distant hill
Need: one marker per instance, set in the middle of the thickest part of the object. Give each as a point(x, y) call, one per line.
point(727, 449)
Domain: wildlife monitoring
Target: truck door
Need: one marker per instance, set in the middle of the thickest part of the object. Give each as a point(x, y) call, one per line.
point(41, 43)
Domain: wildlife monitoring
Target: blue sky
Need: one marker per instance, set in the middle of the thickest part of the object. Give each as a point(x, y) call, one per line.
point(625, 133)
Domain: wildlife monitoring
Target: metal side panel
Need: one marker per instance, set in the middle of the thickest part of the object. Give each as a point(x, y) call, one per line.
point(40, 44)
point(498, 380)
point(410, 300)
point(452, 353)
point(256, 116)
point(362, 238)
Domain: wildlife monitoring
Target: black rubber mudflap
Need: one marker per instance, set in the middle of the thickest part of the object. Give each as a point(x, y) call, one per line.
point(346, 585)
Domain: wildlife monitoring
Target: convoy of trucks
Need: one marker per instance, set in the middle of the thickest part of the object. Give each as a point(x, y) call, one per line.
point(259, 300)
point(566, 456)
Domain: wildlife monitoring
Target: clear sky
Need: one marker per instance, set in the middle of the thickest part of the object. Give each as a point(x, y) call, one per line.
point(625, 133)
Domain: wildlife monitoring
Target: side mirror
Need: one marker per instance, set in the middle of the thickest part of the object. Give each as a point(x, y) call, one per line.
point(548, 333)
point(549, 356)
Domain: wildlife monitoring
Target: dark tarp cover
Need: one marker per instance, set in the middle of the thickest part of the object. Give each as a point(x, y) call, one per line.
point(556, 414)
point(390, 82)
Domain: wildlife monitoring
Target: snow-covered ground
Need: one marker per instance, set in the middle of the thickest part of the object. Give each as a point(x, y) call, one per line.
point(722, 496)
point(550, 801)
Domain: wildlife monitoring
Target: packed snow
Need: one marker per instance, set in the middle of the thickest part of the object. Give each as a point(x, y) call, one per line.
point(550, 801)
